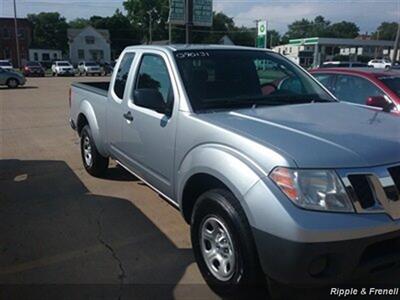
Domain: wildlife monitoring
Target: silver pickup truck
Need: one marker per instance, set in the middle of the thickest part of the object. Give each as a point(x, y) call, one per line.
point(277, 179)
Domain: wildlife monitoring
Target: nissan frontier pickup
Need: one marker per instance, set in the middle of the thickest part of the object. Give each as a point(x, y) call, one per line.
point(279, 181)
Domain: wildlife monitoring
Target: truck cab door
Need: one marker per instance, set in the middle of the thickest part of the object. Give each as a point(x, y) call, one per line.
point(115, 107)
point(148, 133)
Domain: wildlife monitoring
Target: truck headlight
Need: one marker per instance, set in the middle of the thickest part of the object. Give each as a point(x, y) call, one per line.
point(313, 189)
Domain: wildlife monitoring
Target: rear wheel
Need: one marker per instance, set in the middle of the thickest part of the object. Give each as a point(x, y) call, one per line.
point(223, 244)
point(94, 163)
point(12, 83)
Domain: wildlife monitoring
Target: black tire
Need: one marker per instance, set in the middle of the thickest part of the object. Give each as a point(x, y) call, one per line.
point(98, 164)
point(12, 83)
point(247, 275)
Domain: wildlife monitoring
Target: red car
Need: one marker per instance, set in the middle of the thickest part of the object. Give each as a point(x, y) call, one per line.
point(368, 86)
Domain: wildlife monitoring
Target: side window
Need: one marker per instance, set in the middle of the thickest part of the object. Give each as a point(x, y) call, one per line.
point(355, 89)
point(153, 74)
point(325, 79)
point(122, 74)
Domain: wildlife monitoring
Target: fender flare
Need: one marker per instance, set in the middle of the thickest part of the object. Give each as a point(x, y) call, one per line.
point(238, 172)
point(87, 110)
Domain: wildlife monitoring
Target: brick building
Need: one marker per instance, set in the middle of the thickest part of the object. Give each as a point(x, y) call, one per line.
point(8, 49)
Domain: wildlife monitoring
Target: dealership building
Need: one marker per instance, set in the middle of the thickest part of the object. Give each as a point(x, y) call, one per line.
point(316, 50)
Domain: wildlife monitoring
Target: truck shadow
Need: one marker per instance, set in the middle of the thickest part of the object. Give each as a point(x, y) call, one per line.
point(59, 241)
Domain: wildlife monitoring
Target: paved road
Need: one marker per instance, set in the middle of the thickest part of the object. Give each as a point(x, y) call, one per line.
point(60, 226)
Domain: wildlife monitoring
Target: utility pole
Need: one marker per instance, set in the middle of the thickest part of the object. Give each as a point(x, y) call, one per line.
point(150, 29)
point(16, 35)
point(150, 13)
point(396, 44)
point(188, 21)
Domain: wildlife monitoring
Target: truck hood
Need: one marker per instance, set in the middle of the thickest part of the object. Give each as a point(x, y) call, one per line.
point(319, 135)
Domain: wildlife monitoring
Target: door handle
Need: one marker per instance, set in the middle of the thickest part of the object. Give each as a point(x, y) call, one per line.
point(128, 116)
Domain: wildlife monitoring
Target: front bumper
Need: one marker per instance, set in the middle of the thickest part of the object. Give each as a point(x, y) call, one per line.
point(304, 264)
point(301, 247)
point(66, 72)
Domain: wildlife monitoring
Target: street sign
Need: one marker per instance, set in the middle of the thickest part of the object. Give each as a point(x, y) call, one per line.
point(177, 12)
point(202, 12)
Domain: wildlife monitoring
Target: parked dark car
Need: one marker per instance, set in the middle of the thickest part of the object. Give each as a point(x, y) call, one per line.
point(108, 68)
point(379, 88)
point(32, 68)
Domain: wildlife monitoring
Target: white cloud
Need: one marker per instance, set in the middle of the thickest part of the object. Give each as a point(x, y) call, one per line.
point(366, 14)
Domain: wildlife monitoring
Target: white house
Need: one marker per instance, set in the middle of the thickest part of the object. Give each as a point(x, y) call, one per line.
point(44, 55)
point(89, 44)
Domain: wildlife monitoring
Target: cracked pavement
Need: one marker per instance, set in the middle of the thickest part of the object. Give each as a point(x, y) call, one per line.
point(71, 234)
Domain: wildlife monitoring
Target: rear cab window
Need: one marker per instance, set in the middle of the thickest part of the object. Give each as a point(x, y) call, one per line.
point(122, 74)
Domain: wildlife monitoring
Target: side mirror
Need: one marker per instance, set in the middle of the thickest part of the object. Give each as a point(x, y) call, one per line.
point(152, 99)
point(380, 101)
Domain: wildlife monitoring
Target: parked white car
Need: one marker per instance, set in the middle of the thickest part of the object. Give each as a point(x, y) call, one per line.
point(89, 68)
point(380, 63)
point(62, 68)
point(6, 65)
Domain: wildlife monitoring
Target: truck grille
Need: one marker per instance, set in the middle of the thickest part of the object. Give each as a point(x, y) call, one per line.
point(374, 190)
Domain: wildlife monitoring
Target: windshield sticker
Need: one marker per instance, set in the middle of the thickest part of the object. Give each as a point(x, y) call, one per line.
point(192, 54)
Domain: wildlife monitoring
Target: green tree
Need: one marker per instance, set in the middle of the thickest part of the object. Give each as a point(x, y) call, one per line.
point(320, 27)
point(274, 38)
point(49, 30)
point(79, 23)
point(386, 31)
point(139, 11)
point(299, 29)
point(343, 30)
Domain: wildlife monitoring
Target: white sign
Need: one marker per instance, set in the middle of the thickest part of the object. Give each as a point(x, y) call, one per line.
point(262, 28)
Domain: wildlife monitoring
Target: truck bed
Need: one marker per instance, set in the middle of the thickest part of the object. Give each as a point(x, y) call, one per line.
point(98, 87)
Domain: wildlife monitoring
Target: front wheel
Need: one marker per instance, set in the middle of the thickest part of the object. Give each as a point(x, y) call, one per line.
point(94, 163)
point(12, 83)
point(223, 244)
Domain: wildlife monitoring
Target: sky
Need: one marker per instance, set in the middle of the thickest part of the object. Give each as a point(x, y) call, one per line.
point(367, 14)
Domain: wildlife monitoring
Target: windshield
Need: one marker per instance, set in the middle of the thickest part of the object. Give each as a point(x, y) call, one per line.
point(393, 83)
point(227, 79)
point(91, 64)
point(63, 64)
point(5, 64)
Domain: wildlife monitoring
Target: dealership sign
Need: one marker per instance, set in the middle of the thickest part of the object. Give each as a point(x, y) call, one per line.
point(202, 12)
point(177, 12)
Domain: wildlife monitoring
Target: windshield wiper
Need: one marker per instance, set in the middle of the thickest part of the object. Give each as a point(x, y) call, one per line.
point(262, 100)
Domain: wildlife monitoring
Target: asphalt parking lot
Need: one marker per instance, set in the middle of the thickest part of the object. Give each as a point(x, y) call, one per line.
point(61, 226)
point(72, 234)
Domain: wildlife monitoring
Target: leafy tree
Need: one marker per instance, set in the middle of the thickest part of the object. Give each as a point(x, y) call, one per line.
point(343, 30)
point(79, 23)
point(274, 38)
point(139, 13)
point(299, 29)
point(320, 27)
point(386, 31)
point(49, 30)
